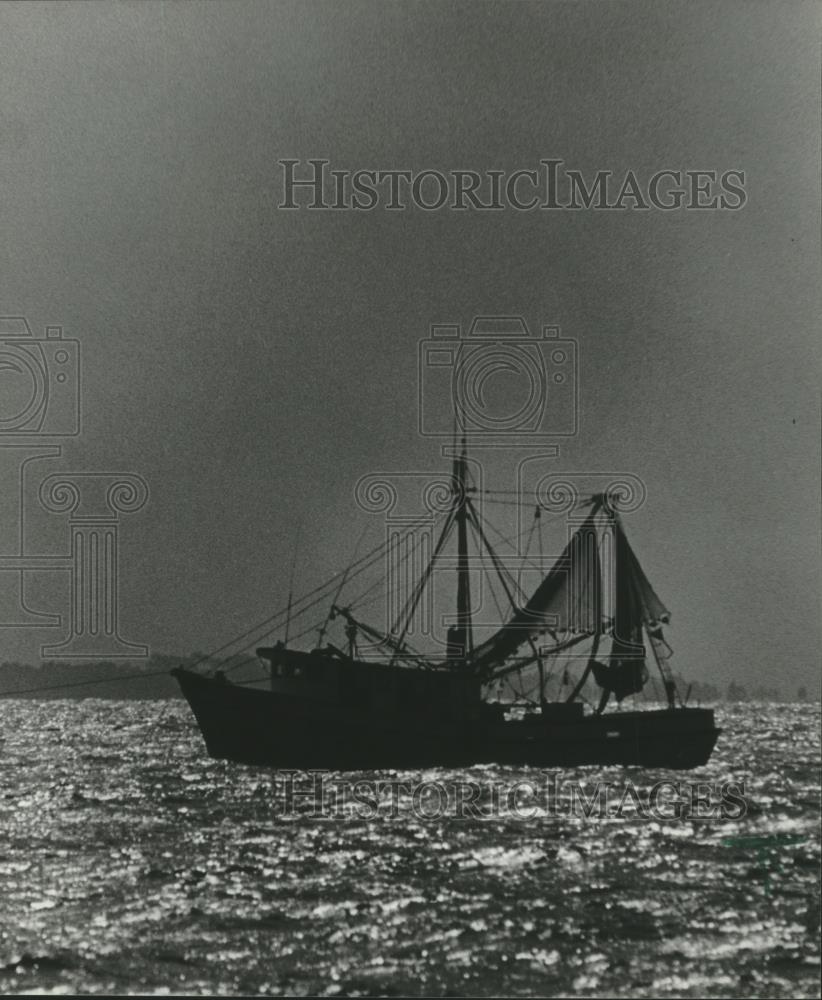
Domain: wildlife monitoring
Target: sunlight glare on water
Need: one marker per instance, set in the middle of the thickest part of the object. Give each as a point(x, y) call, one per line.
point(131, 862)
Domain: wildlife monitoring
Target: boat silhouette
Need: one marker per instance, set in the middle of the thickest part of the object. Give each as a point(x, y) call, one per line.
point(380, 704)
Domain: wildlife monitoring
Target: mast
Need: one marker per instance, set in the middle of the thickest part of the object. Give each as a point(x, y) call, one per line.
point(461, 637)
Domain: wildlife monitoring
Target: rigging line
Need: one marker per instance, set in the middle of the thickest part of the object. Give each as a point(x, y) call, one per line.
point(499, 672)
point(539, 535)
point(581, 501)
point(503, 493)
point(420, 585)
point(530, 537)
point(380, 638)
point(519, 493)
point(534, 649)
point(496, 599)
point(530, 503)
point(554, 668)
point(495, 560)
point(576, 692)
point(358, 600)
point(310, 628)
point(358, 567)
point(519, 690)
point(411, 604)
point(668, 683)
point(535, 520)
point(415, 597)
point(376, 557)
point(207, 656)
point(363, 563)
point(382, 578)
point(516, 686)
point(500, 568)
point(313, 628)
point(493, 591)
point(592, 655)
point(335, 599)
point(372, 555)
point(291, 581)
point(85, 683)
point(513, 541)
point(506, 503)
point(538, 519)
point(261, 632)
point(241, 663)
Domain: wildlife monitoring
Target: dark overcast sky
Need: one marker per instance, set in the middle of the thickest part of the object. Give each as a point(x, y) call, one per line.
point(252, 363)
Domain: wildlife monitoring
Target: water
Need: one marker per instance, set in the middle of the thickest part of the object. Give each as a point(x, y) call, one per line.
point(130, 862)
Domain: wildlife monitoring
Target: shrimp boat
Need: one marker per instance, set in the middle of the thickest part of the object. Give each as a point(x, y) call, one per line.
point(377, 703)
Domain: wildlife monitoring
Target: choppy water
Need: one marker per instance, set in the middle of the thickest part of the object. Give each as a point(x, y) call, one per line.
point(130, 862)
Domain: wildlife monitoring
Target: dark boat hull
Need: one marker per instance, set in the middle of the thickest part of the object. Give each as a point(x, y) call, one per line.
point(254, 726)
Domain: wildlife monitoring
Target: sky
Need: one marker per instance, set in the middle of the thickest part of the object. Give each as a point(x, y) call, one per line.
point(252, 364)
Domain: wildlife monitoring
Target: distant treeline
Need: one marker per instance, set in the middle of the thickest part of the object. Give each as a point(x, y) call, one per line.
point(707, 693)
point(135, 679)
point(151, 678)
point(696, 692)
